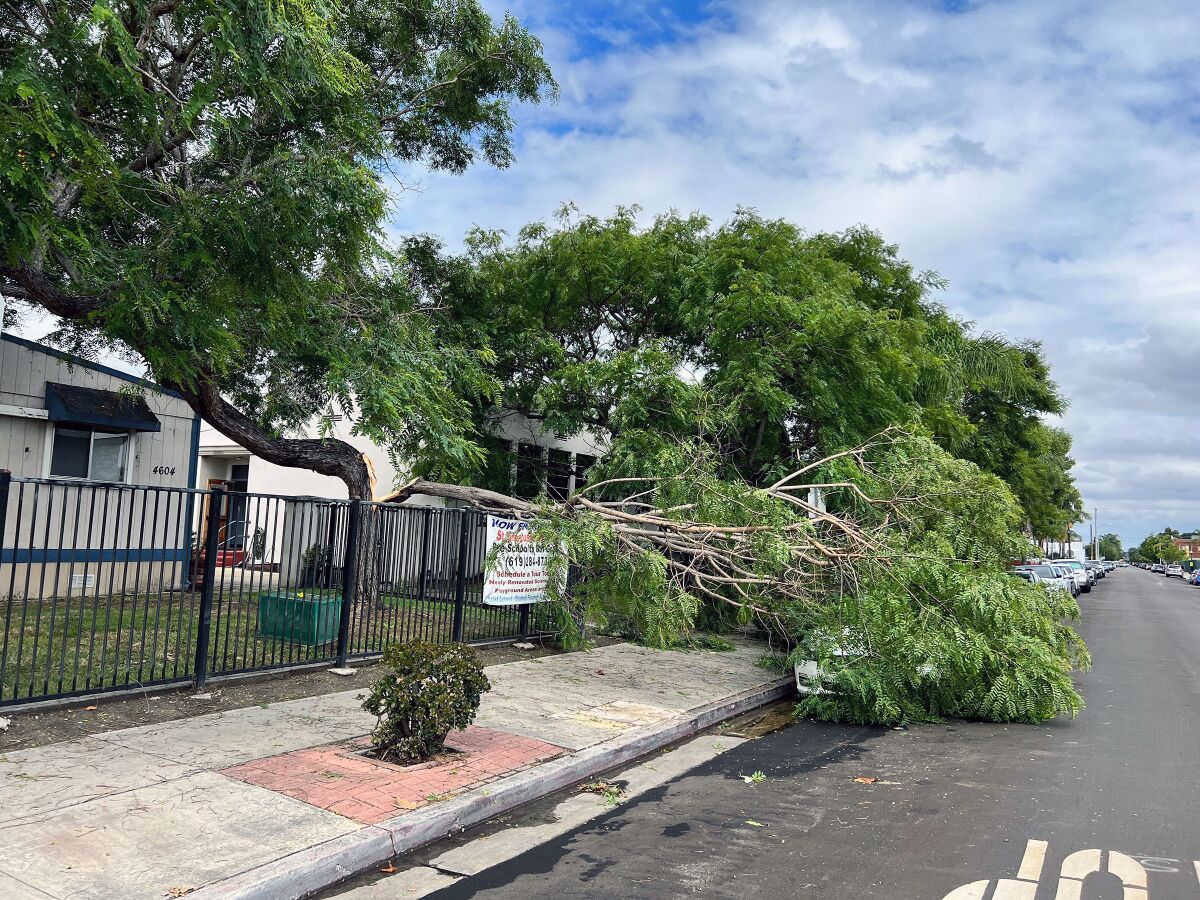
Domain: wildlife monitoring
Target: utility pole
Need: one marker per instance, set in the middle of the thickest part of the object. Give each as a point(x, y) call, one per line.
point(1095, 533)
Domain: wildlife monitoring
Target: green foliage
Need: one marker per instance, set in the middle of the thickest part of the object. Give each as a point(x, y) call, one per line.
point(698, 640)
point(714, 361)
point(1110, 547)
point(926, 625)
point(771, 344)
point(204, 184)
point(1159, 548)
point(933, 626)
point(430, 690)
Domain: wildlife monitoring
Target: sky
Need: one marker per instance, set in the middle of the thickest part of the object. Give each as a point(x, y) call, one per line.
point(1043, 155)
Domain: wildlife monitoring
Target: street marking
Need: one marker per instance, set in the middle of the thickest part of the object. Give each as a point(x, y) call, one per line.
point(1010, 889)
point(1032, 862)
point(1082, 863)
point(1130, 871)
point(1075, 869)
point(973, 891)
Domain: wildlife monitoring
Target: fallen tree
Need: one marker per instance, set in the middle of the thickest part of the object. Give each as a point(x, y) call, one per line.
point(894, 584)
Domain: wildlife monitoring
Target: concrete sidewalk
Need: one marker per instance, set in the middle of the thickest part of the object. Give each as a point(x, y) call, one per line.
point(275, 802)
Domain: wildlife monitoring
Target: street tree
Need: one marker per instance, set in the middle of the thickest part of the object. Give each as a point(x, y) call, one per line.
point(201, 185)
point(1161, 548)
point(781, 345)
point(727, 371)
point(1110, 547)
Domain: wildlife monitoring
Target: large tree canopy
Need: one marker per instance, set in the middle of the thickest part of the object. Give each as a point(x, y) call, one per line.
point(729, 369)
point(777, 345)
point(203, 182)
point(1160, 548)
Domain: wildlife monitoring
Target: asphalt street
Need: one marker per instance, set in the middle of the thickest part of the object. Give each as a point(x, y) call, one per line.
point(959, 810)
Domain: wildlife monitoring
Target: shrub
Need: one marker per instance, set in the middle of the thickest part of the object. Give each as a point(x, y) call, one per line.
point(431, 690)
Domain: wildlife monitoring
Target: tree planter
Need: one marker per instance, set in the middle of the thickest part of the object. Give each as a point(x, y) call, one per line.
point(302, 617)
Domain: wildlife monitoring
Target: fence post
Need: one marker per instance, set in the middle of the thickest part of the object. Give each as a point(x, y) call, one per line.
point(349, 580)
point(5, 485)
point(460, 583)
point(572, 579)
point(523, 627)
point(422, 588)
point(212, 530)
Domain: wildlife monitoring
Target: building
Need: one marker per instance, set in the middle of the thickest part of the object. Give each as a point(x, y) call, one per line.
point(66, 417)
point(536, 460)
point(298, 525)
point(1189, 543)
point(90, 437)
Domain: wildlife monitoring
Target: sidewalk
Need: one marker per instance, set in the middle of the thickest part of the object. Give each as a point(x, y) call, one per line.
point(275, 802)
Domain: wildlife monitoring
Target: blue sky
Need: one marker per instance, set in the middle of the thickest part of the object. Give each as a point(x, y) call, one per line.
point(1044, 156)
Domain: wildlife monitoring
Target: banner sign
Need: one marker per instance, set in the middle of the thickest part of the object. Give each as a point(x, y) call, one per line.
point(518, 574)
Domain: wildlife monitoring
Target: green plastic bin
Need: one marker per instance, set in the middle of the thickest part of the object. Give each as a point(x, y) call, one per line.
point(302, 617)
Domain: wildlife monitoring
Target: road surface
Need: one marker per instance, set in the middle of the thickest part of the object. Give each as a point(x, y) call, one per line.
point(961, 810)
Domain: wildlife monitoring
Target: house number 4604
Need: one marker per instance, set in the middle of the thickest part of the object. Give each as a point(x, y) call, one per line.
point(163, 470)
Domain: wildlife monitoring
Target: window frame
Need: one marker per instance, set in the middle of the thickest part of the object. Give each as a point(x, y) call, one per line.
point(52, 437)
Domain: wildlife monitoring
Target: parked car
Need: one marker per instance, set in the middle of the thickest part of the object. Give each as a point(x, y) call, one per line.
point(1095, 568)
point(1082, 580)
point(1174, 571)
point(1054, 577)
point(1158, 568)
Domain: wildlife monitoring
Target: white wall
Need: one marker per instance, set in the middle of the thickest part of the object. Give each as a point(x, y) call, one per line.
point(268, 478)
point(513, 426)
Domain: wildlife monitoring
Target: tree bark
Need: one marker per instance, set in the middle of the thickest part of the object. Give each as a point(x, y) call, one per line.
point(327, 456)
point(481, 497)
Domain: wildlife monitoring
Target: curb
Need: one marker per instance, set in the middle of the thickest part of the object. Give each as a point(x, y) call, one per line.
point(315, 868)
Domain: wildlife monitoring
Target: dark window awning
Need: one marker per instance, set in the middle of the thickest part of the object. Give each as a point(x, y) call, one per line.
point(105, 409)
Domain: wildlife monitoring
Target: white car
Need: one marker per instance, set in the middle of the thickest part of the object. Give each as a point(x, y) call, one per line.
point(1053, 576)
point(1082, 581)
point(1174, 571)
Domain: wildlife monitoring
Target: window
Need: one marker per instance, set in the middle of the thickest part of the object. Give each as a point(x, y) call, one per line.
point(558, 474)
point(87, 453)
point(531, 472)
point(583, 462)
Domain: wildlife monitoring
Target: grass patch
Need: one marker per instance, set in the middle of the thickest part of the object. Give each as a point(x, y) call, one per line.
point(60, 645)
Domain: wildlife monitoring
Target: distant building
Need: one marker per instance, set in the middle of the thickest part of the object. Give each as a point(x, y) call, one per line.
point(1189, 543)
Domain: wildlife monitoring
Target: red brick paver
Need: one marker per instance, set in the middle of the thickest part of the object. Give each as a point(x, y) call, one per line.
point(341, 780)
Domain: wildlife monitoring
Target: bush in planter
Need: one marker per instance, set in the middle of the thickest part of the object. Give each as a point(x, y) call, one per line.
point(431, 690)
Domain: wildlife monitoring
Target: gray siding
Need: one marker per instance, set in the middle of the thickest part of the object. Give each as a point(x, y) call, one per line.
point(24, 372)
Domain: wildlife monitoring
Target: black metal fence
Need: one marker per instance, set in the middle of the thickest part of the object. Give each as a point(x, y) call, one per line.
point(109, 586)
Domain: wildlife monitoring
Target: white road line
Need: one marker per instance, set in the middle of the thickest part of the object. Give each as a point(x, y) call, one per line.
point(1032, 862)
point(1080, 864)
point(973, 891)
point(1130, 871)
point(1010, 889)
